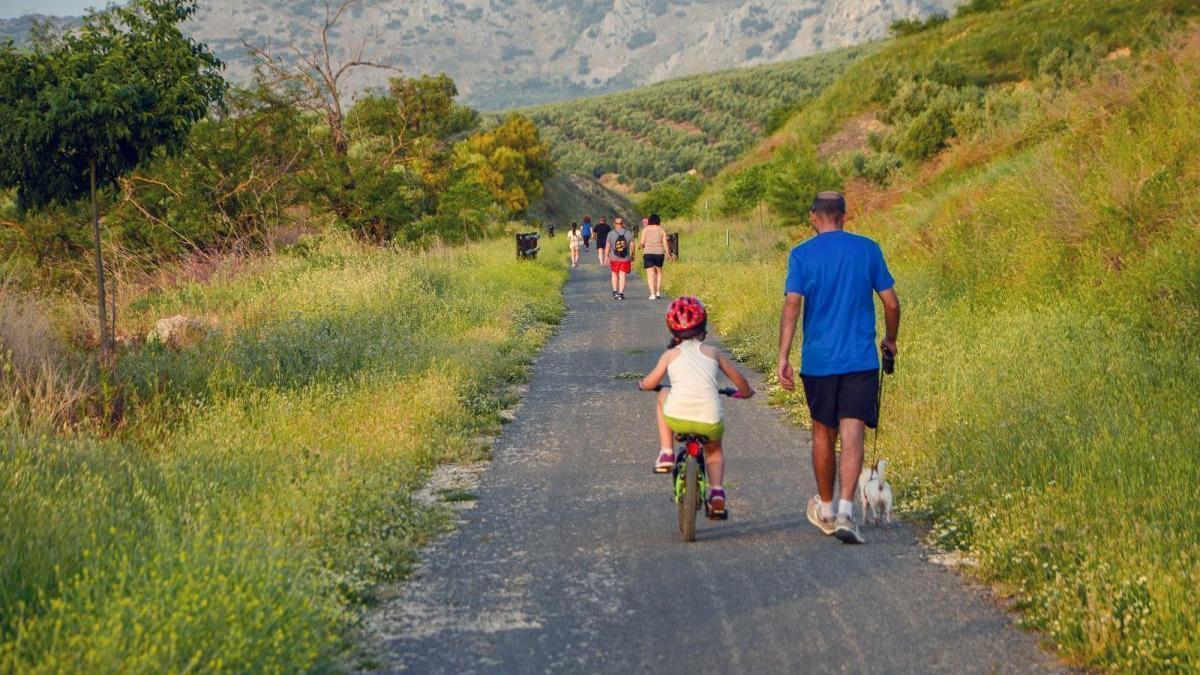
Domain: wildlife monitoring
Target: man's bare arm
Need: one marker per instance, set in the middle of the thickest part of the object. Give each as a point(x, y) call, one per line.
point(891, 319)
point(787, 333)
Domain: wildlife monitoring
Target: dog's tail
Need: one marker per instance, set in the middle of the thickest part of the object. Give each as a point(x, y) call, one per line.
point(879, 468)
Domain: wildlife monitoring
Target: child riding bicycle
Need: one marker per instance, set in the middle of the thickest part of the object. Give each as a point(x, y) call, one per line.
point(692, 405)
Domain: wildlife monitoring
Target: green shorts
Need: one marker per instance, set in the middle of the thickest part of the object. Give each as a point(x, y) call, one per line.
point(712, 431)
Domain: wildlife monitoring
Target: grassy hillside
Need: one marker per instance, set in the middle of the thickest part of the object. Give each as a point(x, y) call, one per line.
point(695, 123)
point(259, 487)
point(966, 77)
point(568, 197)
point(1043, 416)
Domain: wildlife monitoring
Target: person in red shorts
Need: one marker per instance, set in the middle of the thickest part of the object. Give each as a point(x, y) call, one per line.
point(620, 256)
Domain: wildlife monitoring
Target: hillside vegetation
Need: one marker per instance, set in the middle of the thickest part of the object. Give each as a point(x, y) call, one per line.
point(1043, 414)
point(968, 78)
point(698, 123)
point(260, 487)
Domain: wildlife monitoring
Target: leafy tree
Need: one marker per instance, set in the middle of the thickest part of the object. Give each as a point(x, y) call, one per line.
point(797, 176)
point(415, 116)
point(510, 161)
point(93, 105)
point(746, 190)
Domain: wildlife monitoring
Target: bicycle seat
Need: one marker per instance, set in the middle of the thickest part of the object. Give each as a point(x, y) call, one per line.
point(684, 438)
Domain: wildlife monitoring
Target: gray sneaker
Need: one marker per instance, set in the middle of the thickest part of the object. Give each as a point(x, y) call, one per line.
point(814, 516)
point(847, 530)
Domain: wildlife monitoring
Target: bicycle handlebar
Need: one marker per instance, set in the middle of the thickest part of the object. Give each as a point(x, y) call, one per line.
point(724, 391)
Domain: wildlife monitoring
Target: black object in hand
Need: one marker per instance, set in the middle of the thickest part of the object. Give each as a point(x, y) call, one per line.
point(889, 362)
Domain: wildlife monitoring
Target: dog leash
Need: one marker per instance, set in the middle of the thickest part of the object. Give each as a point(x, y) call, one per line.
point(883, 371)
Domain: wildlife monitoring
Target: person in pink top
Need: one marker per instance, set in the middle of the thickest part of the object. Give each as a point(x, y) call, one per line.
point(654, 253)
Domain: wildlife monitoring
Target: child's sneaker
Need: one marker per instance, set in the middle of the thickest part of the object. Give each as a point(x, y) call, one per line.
point(716, 504)
point(665, 463)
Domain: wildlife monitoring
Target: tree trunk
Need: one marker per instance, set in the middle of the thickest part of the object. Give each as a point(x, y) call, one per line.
point(101, 305)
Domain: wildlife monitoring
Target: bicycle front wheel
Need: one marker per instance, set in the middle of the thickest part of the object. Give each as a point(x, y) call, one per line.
point(690, 502)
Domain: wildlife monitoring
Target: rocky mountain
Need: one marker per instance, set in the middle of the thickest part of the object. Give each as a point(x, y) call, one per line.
point(505, 53)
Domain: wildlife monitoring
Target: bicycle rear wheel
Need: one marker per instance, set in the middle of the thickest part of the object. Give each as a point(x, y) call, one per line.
point(690, 501)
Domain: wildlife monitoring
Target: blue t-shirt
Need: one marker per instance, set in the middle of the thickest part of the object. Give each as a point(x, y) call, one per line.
point(838, 274)
point(587, 229)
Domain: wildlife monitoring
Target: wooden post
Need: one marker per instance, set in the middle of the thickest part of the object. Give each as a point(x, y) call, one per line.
point(104, 341)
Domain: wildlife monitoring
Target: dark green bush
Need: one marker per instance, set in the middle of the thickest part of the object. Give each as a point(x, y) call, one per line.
point(904, 27)
point(978, 7)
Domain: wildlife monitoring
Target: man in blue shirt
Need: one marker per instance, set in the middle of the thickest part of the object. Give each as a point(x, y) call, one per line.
point(834, 276)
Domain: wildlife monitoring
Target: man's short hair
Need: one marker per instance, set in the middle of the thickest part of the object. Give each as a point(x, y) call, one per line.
point(832, 203)
point(655, 220)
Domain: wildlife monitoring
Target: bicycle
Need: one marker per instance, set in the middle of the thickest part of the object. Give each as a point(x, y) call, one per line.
point(689, 479)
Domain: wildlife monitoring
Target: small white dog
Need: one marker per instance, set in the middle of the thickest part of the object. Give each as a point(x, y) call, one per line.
point(875, 493)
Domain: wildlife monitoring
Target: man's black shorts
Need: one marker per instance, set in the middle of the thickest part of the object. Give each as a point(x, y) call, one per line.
point(832, 398)
point(650, 260)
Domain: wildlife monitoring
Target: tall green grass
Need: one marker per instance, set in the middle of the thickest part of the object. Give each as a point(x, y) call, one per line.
point(260, 491)
point(1044, 412)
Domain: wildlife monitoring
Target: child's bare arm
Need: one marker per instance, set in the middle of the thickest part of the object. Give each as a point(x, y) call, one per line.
point(735, 376)
point(655, 377)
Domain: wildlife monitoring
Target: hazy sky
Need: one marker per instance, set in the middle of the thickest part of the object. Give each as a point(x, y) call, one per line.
point(11, 8)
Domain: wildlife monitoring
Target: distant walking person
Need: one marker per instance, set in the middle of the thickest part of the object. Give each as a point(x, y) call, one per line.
point(619, 253)
point(602, 230)
point(833, 276)
point(654, 253)
point(586, 232)
point(574, 239)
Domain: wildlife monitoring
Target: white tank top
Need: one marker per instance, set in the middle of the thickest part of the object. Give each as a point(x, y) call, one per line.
point(693, 394)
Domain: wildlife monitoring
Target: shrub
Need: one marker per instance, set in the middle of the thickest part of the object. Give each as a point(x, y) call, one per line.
point(42, 386)
point(745, 190)
point(923, 113)
point(779, 116)
point(877, 167)
point(672, 198)
point(905, 27)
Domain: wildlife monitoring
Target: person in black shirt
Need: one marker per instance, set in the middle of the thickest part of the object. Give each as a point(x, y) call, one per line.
point(602, 229)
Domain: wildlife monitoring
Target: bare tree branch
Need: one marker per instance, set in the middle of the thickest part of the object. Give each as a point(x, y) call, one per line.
point(317, 73)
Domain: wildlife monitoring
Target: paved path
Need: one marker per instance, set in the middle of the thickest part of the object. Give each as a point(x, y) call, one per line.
point(571, 561)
